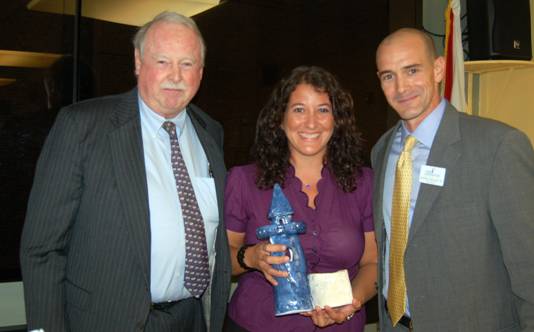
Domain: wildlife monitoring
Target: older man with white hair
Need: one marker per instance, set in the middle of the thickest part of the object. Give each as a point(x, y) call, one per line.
point(122, 228)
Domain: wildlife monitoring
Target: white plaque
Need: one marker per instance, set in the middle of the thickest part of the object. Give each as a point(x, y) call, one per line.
point(331, 289)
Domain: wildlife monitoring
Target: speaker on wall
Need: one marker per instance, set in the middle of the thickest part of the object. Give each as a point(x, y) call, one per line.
point(499, 29)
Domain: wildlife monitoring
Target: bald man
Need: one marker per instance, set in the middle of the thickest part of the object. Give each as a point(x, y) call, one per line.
point(466, 262)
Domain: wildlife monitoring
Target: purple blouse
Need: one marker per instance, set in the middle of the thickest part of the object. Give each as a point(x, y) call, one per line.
point(334, 240)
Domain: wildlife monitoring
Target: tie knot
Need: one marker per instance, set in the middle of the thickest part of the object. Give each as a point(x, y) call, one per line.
point(170, 128)
point(409, 144)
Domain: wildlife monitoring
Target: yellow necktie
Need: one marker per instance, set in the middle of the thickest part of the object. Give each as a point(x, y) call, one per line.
point(399, 232)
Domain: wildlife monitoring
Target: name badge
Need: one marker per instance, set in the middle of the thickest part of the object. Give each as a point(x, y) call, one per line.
point(432, 175)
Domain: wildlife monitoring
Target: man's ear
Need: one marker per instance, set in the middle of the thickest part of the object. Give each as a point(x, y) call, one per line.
point(137, 56)
point(439, 69)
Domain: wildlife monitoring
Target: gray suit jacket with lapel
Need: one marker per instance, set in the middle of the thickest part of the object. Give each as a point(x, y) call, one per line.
point(85, 251)
point(469, 259)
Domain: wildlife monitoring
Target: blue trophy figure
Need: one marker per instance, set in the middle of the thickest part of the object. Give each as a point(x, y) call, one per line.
point(292, 294)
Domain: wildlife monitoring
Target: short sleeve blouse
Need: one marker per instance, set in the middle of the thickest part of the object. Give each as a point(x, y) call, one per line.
point(334, 240)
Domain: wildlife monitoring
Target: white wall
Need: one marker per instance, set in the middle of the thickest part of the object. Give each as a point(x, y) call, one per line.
point(508, 96)
point(12, 311)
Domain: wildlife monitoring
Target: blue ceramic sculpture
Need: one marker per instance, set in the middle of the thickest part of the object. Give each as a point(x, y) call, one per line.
point(292, 294)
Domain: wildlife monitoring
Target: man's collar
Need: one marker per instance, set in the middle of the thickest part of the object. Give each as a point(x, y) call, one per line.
point(154, 121)
point(426, 131)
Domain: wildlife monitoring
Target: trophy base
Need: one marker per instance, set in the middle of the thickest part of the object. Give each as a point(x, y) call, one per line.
point(294, 311)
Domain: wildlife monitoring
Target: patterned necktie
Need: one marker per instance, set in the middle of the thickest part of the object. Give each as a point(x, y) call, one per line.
point(399, 232)
point(196, 254)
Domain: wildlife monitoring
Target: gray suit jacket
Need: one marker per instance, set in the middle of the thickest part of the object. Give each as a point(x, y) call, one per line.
point(469, 260)
point(85, 251)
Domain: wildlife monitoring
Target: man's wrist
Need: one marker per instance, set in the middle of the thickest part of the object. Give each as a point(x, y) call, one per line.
point(241, 256)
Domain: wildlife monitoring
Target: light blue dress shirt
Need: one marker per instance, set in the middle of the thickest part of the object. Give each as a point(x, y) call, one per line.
point(424, 133)
point(167, 251)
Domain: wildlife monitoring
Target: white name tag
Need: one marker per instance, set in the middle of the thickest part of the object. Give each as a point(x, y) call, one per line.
point(432, 175)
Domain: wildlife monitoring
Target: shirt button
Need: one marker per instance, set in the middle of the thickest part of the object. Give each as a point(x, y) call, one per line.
point(314, 233)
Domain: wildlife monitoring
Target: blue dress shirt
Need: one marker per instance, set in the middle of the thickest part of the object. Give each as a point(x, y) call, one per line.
point(167, 252)
point(424, 133)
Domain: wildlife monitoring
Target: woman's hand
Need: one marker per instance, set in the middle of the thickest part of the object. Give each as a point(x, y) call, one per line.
point(259, 257)
point(328, 316)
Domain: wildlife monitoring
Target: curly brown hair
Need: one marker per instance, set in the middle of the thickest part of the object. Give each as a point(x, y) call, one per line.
point(344, 150)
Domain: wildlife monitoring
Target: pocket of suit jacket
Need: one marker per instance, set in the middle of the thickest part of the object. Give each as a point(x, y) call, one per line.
point(76, 295)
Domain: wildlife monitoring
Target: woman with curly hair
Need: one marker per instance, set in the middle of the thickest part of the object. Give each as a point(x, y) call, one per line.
point(308, 142)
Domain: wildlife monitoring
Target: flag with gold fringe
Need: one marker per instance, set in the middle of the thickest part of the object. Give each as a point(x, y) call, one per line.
point(454, 86)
